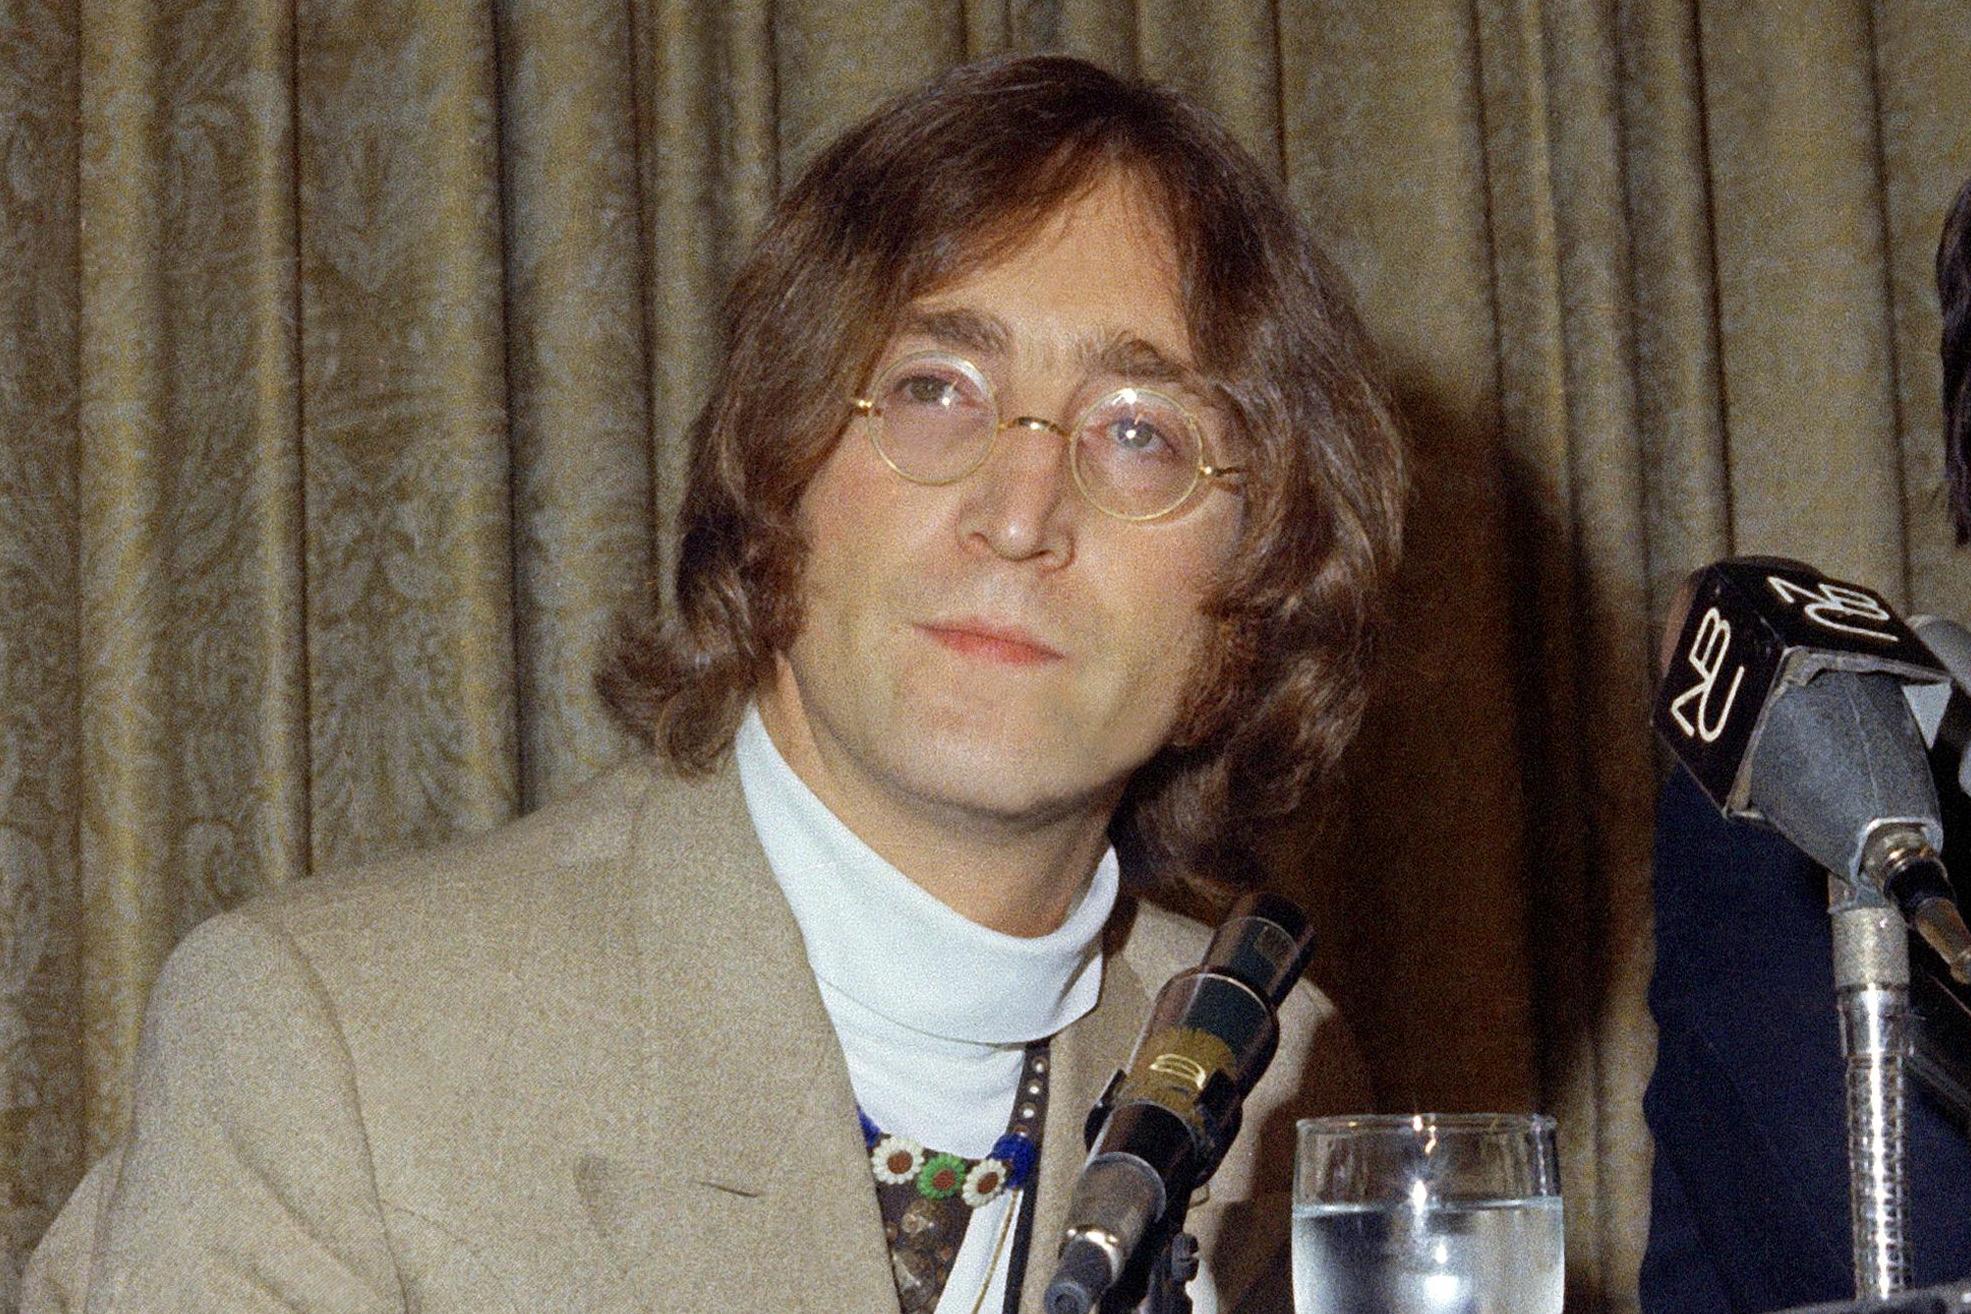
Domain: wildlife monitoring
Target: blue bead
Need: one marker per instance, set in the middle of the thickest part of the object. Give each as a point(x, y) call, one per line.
point(1019, 1155)
point(871, 1133)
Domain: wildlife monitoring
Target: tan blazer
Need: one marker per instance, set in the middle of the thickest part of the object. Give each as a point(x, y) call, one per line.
point(577, 1064)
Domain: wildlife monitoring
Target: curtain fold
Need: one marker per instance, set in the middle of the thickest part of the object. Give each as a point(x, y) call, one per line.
point(43, 1038)
point(349, 348)
point(190, 713)
point(708, 168)
point(1798, 227)
point(576, 362)
point(411, 654)
point(1679, 379)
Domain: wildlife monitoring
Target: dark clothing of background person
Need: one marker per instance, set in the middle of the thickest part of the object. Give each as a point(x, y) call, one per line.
point(1749, 1194)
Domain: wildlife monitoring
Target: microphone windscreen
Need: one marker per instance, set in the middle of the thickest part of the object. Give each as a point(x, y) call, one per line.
point(1839, 755)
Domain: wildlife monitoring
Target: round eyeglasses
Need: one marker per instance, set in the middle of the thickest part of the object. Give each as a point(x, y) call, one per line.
point(1135, 454)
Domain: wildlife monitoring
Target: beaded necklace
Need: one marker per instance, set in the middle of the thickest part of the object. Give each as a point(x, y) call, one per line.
point(928, 1197)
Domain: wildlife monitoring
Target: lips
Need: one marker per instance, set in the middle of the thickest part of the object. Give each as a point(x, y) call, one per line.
point(989, 641)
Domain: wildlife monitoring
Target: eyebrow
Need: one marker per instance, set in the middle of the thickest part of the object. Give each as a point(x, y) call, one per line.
point(961, 330)
point(1116, 353)
point(1128, 356)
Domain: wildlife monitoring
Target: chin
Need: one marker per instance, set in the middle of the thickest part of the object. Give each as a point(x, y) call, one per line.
point(1014, 777)
point(992, 771)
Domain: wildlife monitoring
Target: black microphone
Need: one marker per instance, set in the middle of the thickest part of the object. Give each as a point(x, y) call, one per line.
point(1784, 696)
point(1165, 1122)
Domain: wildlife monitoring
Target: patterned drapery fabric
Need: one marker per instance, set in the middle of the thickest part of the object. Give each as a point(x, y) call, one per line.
point(347, 349)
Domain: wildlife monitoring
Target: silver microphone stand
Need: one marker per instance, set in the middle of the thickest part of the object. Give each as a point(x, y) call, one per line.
point(1871, 988)
point(1898, 866)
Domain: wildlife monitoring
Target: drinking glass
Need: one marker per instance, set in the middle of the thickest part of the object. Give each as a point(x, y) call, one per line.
point(1427, 1213)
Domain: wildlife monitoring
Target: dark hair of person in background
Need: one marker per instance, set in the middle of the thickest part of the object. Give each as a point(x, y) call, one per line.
point(942, 182)
point(1954, 300)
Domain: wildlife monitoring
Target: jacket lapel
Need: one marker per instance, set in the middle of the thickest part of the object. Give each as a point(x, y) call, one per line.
point(1085, 1056)
point(750, 1187)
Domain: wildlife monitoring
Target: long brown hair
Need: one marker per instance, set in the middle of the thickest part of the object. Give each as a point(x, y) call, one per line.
point(939, 183)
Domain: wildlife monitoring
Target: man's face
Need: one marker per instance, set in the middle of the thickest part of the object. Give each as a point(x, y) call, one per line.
point(996, 649)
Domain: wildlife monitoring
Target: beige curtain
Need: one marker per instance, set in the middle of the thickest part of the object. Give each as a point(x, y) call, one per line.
point(346, 347)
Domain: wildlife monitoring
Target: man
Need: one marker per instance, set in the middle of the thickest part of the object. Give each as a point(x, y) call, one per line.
point(1042, 501)
point(1749, 1190)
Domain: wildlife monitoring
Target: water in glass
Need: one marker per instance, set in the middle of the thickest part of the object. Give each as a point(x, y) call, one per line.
point(1483, 1257)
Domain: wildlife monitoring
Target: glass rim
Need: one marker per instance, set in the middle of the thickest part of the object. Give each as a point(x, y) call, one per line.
point(1337, 1123)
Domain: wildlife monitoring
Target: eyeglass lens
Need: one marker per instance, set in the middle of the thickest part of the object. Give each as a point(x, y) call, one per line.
point(1136, 452)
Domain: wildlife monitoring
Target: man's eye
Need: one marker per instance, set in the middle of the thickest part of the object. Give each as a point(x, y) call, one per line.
point(1138, 436)
point(934, 390)
point(929, 390)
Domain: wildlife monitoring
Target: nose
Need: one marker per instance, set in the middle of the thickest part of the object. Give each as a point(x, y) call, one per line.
point(1023, 506)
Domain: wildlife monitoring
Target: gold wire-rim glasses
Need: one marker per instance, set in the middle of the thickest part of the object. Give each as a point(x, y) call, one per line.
point(1201, 469)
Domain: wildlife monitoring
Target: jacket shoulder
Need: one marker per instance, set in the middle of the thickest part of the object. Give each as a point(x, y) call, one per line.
point(536, 915)
point(568, 838)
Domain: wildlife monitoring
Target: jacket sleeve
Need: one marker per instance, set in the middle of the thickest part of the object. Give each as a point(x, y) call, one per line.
point(245, 1181)
point(1749, 1207)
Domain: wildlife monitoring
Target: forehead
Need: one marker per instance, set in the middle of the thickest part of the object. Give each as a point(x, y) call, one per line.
point(1102, 266)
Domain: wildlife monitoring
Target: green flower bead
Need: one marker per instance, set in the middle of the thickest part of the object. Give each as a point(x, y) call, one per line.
point(941, 1176)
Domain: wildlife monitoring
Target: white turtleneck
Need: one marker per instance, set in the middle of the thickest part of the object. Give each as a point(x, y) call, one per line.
point(933, 1010)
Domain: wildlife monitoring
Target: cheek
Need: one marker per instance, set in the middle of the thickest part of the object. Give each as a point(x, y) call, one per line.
point(1194, 574)
point(1169, 637)
point(1180, 642)
point(1190, 564)
point(855, 507)
point(860, 546)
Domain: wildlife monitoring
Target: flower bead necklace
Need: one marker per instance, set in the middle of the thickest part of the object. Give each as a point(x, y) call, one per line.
point(900, 1161)
point(928, 1197)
